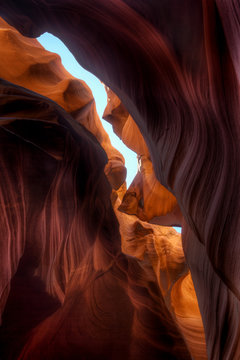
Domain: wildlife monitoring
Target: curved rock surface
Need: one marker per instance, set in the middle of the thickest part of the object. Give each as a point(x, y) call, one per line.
point(175, 66)
point(25, 62)
point(60, 232)
point(146, 197)
point(67, 291)
point(160, 248)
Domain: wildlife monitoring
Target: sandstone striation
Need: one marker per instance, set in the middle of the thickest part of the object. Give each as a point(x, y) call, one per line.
point(60, 229)
point(146, 197)
point(67, 290)
point(25, 62)
point(175, 67)
point(157, 247)
point(160, 248)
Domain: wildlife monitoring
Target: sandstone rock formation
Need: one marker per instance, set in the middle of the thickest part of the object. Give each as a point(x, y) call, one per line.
point(61, 235)
point(175, 67)
point(146, 197)
point(25, 62)
point(160, 248)
point(67, 290)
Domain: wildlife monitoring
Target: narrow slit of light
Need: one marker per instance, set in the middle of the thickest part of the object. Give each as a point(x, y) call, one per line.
point(178, 229)
point(53, 44)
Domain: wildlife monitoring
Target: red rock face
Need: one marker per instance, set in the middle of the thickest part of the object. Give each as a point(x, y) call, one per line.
point(146, 197)
point(67, 290)
point(63, 235)
point(175, 67)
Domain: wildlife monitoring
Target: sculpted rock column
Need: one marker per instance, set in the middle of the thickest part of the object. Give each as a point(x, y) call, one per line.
point(175, 66)
point(73, 293)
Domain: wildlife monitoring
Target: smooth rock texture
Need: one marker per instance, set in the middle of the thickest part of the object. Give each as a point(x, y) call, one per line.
point(160, 248)
point(149, 201)
point(61, 235)
point(146, 197)
point(67, 290)
point(25, 62)
point(175, 66)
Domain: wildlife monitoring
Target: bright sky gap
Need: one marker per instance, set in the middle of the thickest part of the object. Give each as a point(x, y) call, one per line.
point(53, 44)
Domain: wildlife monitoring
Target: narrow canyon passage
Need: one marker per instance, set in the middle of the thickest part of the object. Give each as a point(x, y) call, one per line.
point(91, 267)
point(50, 262)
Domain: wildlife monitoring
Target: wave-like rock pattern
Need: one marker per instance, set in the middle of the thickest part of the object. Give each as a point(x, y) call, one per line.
point(25, 62)
point(82, 296)
point(146, 197)
point(149, 200)
point(123, 124)
point(42, 271)
point(175, 66)
point(160, 248)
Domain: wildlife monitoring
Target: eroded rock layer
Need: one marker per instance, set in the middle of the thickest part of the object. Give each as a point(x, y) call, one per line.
point(160, 248)
point(175, 66)
point(67, 290)
point(146, 197)
point(25, 62)
point(59, 221)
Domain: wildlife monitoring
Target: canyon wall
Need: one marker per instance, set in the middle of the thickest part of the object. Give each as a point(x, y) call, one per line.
point(67, 289)
point(175, 67)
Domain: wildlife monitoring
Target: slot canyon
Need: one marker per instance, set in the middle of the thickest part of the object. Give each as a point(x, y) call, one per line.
point(91, 268)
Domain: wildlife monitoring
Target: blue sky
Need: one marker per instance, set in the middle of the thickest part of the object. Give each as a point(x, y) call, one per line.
point(53, 44)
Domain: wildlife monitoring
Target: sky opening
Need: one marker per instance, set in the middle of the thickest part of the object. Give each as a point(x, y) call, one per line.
point(53, 44)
